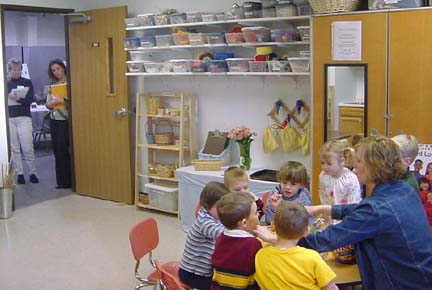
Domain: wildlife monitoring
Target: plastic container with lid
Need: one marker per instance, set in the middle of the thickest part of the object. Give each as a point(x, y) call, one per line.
point(217, 66)
point(147, 41)
point(181, 38)
point(283, 35)
point(181, 65)
point(286, 9)
point(248, 14)
point(269, 12)
point(132, 22)
point(194, 16)
point(146, 19)
point(178, 18)
point(135, 66)
point(235, 13)
point(304, 32)
point(198, 66)
point(268, 3)
point(238, 64)
point(220, 16)
point(223, 55)
point(299, 64)
point(251, 5)
point(131, 42)
point(256, 34)
point(215, 38)
point(137, 55)
point(157, 67)
point(162, 19)
point(258, 66)
point(278, 66)
point(164, 40)
point(162, 196)
point(197, 38)
point(209, 17)
point(234, 38)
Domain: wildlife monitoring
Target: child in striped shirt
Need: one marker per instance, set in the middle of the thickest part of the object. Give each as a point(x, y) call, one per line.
point(195, 266)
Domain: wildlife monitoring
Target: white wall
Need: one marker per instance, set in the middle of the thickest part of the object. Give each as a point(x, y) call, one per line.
point(3, 133)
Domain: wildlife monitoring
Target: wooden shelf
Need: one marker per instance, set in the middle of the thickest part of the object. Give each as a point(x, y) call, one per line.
point(162, 147)
point(147, 206)
point(173, 179)
point(221, 74)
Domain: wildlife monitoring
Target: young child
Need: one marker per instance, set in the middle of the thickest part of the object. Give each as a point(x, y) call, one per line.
point(418, 166)
point(337, 184)
point(408, 146)
point(428, 173)
point(426, 197)
point(285, 265)
point(195, 266)
point(237, 180)
point(293, 180)
point(234, 255)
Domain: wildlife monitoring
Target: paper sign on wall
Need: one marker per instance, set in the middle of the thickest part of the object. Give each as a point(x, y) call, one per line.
point(347, 40)
point(425, 155)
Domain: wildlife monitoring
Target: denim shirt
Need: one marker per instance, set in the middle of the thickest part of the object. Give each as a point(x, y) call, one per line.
point(393, 242)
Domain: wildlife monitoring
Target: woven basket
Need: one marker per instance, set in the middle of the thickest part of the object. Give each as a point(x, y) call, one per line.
point(165, 170)
point(166, 138)
point(207, 165)
point(152, 105)
point(329, 6)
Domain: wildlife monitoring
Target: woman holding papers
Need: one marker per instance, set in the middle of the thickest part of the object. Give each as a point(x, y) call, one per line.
point(57, 102)
point(20, 96)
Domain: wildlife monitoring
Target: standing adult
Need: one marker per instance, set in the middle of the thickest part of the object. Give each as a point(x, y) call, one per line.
point(20, 121)
point(59, 122)
point(389, 228)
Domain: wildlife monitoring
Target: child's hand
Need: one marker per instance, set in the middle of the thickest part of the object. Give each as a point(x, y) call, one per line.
point(265, 234)
point(275, 199)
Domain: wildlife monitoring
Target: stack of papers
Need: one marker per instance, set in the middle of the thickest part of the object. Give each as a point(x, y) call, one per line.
point(21, 92)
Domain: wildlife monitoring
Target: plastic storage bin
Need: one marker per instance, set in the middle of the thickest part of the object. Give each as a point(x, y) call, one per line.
point(181, 38)
point(157, 67)
point(256, 34)
point(235, 13)
point(304, 53)
point(268, 3)
point(258, 66)
point(304, 9)
point(132, 22)
point(197, 38)
point(269, 12)
point(217, 66)
point(131, 42)
point(234, 38)
point(146, 19)
point(164, 40)
point(178, 18)
point(220, 16)
point(299, 64)
point(162, 196)
point(224, 155)
point(135, 66)
point(238, 64)
point(194, 16)
point(223, 55)
point(278, 66)
point(181, 65)
point(286, 9)
point(209, 17)
point(137, 55)
point(198, 66)
point(215, 38)
point(147, 41)
point(304, 32)
point(283, 35)
point(161, 19)
point(253, 14)
point(251, 5)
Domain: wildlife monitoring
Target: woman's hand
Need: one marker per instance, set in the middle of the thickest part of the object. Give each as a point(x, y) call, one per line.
point(265, 234)
point(54, 102)
point(13, 96)
point(324, 210)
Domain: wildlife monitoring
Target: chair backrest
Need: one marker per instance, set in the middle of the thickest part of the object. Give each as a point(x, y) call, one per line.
point(196, 209)
point(169, 281)
point(264, 199)
point(144, 237)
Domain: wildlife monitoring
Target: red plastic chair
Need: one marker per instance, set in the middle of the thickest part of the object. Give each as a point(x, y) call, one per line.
point(169, 278)
point(144, 238)
point(196, 209)
point(264, 199)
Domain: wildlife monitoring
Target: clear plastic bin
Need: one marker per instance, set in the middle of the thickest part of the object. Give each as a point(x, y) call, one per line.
point(217, 66)
point(132, 22)
point(181, 38)
point(258, 66)
point(270, 12)
point(283, 35)
point(146, 19)
point(256, 34)
point(220, 16)
point(268, 3)
point(251, 5)
point(157, 67)
point(178, 18)
point(279, 66)
point(131, 42)
point(304, 9)
point(162, 196)
point(181, 65)
point(161, 19)
point(234, 38)
point(210, 17)
point(137, 55)
point(199, 66)
point(304, 32)
point(304, 53)
point(197, 38)
point(164, 40)
point(147, 41)
point(235, 13)
point(194, 16)
point(215, 38)
point(286, 9)
point(238, 64)
point(299, 64)
point(135, 66)
point(253, 14)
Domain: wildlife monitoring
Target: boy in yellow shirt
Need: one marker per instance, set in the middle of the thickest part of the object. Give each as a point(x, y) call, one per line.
point(285, 265)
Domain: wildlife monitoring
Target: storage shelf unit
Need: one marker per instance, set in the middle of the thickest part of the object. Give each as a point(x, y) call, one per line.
point(221, 74)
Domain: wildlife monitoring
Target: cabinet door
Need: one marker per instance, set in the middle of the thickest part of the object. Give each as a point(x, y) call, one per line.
point(351, 125)
point(410, 73)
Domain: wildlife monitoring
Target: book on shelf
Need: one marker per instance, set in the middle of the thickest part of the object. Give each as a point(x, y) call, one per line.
point(59, 91)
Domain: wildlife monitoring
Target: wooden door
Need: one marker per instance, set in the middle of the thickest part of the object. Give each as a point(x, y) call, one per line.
point(374, 29)
point(410, 73)
point(99, 88)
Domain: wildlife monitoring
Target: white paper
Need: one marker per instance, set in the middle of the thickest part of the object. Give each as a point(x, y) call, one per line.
point(347, 40)
point(21, 92)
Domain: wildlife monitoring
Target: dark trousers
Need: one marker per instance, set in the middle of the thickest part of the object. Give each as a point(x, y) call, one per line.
point(60, 144)
point(194, 281)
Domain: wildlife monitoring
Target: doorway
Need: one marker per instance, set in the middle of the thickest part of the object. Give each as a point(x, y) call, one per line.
point(35, 36)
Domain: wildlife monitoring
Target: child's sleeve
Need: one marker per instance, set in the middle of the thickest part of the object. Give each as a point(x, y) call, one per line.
point(322, 189)
point(270, 211)
point(323, 273)
point(211, 229)
point(260, 205)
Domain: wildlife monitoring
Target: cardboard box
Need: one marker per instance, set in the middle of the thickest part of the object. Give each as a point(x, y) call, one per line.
point(387, 4)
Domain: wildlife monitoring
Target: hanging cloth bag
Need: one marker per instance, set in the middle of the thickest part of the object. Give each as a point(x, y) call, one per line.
point(269, 141)
point(290, 139)
point(305, 140)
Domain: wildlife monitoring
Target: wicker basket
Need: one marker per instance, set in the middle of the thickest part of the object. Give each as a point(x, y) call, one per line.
point(329, 6)
point(166, 138)
point(207, 165)
point(165, 170)
point(152, 105)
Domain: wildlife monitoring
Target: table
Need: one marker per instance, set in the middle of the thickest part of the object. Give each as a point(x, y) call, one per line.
point(191, 182)
point(346, 275)
point(38, 113)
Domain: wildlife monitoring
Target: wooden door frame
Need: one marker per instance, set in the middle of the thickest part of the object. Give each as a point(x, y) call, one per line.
point(34, 9)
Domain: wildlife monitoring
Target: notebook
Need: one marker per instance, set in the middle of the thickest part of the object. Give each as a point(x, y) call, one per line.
point(21, 92)
point(59, 91)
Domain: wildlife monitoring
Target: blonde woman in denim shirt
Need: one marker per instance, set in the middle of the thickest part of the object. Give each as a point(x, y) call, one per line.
point(389, 228)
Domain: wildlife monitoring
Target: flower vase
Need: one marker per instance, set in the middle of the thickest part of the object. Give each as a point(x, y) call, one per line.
point(245, 159)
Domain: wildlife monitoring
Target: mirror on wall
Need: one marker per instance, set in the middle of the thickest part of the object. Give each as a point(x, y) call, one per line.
point(345, 101)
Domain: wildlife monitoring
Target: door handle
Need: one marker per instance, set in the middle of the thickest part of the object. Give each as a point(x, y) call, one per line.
point(121, 113)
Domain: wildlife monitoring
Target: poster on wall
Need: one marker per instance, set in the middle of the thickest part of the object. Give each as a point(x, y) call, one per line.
point(347, 40)
point(425, 155)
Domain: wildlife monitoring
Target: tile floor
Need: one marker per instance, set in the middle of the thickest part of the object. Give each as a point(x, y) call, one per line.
point(59, 240)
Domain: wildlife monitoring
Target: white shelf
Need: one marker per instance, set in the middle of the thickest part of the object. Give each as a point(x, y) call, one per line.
point(147, 206)
point(240, 21)
point(173, 179)
point(221, 74)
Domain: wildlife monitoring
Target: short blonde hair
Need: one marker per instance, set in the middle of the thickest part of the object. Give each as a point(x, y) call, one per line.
point(14, 62)
point(234, 173)
point(382, 159)
point(408, 145)
point(234, 207)
point(337, 148)
point(294, 172)
point(291, 220)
